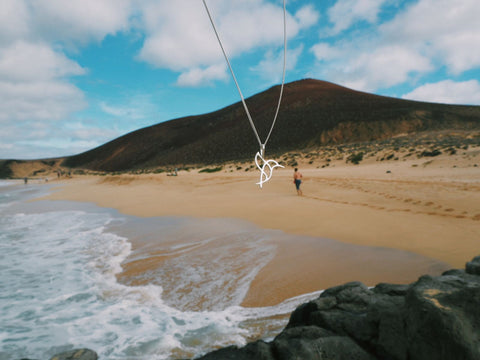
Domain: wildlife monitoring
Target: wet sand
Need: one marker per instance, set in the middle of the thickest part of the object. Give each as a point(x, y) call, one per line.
point(428, 212)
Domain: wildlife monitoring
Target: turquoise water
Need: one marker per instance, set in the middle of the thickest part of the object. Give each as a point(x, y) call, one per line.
point(59, 290)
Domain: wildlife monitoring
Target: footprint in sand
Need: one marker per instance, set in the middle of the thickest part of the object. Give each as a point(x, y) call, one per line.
point(476, 217)
point(449, 210)
point(429, 203)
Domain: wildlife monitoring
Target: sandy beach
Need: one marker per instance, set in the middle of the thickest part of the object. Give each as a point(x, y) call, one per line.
point(426, 209)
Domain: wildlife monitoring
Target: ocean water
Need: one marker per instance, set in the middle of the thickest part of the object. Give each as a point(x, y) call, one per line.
point(59, 287)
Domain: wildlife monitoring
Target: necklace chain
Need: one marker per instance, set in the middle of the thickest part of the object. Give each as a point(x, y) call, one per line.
point(262, 145)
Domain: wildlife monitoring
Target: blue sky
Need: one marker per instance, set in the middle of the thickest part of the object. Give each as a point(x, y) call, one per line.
point(75, 74)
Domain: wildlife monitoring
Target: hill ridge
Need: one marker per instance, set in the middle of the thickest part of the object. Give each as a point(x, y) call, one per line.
point(313, 113)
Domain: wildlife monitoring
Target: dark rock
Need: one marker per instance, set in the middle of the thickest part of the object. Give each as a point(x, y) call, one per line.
point(345, 323)
point(387, 315)
point(443, 318)
point(332, 347)
point(301, 314)
point(354, 299)
point(433, 318)
point(391, 289)
point(473, 267)
point(76, 354)
point(334, 291)
point(454, 272)
point(304, 332)
point(256, 350)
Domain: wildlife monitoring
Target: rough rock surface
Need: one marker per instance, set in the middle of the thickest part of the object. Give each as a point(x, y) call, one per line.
point(473, 267)
point(76, 354)
point(433, 318)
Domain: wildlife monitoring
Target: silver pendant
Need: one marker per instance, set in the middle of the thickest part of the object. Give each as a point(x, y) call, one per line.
point(266, 170)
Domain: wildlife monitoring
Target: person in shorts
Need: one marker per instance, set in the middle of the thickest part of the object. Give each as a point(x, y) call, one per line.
point(297, 180)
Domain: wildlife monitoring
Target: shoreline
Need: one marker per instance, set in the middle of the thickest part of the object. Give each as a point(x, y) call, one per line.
point(428, 211)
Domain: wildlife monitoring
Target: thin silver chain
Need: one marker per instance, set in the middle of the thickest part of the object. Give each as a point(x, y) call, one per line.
point(262, 146)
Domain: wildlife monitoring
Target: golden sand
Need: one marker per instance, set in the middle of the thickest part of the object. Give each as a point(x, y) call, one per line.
point(429, 208)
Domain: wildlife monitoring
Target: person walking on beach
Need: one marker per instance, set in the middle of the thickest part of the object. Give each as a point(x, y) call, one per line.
point(297, 179)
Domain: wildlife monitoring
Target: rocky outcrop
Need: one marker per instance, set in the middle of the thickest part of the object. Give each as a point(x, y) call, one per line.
point(77, 354)
point(473, 267)
point(433, 318)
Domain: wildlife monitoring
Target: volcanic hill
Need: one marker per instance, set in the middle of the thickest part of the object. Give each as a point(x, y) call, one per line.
point(313, 113)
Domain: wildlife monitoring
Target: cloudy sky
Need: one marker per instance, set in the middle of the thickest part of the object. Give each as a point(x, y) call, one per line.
point(75, 74)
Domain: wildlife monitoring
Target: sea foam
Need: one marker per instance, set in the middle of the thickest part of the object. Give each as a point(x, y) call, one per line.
point(59, 263)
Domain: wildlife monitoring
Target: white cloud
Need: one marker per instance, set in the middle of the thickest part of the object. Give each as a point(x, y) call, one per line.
point(385, 67)
point(39, 101)
point(80, 20)
point(28, 62)
point(448, 92)
point(307, 16)
point(346, 12)
point(32, 84)
point(326, 52)
point(118, 111)
point(180, 36)
point(408, 47)
point(271, 67)
point(37, 96)
point(85, 134)
point(450, 32)
point(132, 111)
point(199, 76)
point(380, 67)
point(33, 140)
point(71, 22)
point(14, 19)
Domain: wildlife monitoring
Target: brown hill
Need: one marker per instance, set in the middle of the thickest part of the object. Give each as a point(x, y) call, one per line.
point(313, 113)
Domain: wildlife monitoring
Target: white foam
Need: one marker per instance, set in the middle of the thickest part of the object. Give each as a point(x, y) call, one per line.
point(59, 267)
point(217, 271)
point(9, 182)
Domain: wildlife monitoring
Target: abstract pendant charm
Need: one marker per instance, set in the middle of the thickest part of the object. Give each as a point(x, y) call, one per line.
point(266, 170)
point(267, 167)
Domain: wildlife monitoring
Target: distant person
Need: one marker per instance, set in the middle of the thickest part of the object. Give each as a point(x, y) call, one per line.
point(297, 179)
point(25, 180)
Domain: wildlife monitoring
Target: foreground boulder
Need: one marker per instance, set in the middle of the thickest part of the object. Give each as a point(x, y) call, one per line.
point(77, 354)
point(433, 318)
